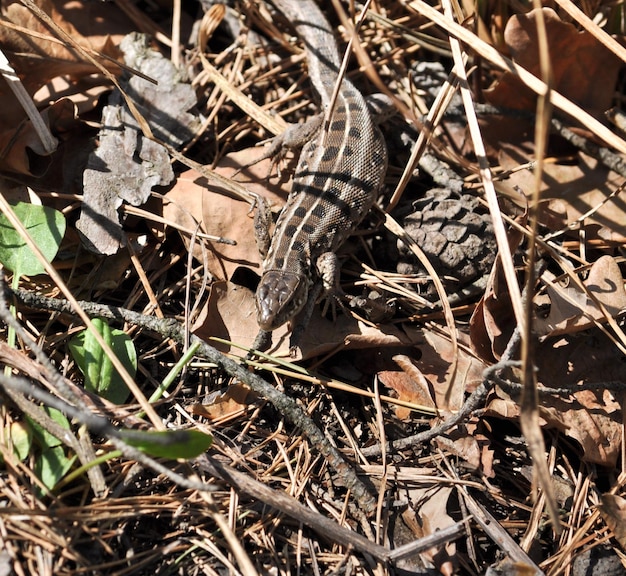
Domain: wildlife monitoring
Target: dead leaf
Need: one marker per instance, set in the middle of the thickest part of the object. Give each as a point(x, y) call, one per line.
point(428, 515)
point(102, 25)
point(230, 314)
point(427, 381)
point(572, 310)
point(592, 418)
point(578, 187)
point(492, 321)
point(193, 201)
point(409, 385)
point(21, 150)
point(437, 362)
point(37, 62)
point(223, 405)
point(461, 445)
point(127, 165)
point(613, 511)
point(584, 70)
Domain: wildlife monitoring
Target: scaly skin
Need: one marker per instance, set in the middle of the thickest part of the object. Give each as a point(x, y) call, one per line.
point(338, 177)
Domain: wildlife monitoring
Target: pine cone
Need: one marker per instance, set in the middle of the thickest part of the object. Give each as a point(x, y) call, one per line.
point(454, 231)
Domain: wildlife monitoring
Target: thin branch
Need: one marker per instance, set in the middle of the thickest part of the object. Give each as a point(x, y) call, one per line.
point(170, 328)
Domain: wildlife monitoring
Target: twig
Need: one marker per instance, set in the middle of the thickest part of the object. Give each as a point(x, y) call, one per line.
point(170, 328)
point(290, 506)
point(17, 387)
point(473, 403)
point(602, 154)
point(498, 534)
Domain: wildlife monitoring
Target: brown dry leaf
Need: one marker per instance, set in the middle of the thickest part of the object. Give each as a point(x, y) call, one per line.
point(37, 62)
point(613, 511)
point(426, 519)
point(461, 445)
point(409, 385)
point(230, 314)
point(572, 310)
point(583, 69)
point(466, 443)
point(192, 201)
point(427, 381)
point(437, 362)
point(597, 432)
point(224, 404)
point(21, 150)
point(574, 189)
point(103, 24)
point(191, 205)
point(492, 322)
point(592, 418)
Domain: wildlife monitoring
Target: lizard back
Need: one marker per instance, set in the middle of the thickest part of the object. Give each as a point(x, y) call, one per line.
point(338, 175)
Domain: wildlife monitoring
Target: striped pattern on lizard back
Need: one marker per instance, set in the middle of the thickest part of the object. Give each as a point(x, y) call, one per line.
point(337, 179)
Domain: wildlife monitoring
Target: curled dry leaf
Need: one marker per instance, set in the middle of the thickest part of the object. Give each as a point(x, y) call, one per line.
point(492, 321)
point(613, 510)
point(37, 62)
point(409, 384)
point(23, 152)
point(192, 202)
point(426, 517)
point(572, 309)
point(591, 417)
point(584, 70)
point(430, 381)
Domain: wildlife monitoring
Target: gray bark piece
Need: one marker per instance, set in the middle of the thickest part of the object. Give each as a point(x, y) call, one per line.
point(126, 165)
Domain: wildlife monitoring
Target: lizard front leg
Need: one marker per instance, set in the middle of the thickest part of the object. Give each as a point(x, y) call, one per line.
point(327, 285)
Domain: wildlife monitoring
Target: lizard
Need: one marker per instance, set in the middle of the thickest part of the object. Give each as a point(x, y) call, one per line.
point(339, 173)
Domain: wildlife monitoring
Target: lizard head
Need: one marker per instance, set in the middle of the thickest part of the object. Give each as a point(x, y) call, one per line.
point(279, 297)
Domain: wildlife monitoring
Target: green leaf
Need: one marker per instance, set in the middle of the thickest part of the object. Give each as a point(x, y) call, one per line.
point(21, 438)
point(45, 225)
point(100, 375)
point(171, 444)
point(44, 438)
point(52, 465)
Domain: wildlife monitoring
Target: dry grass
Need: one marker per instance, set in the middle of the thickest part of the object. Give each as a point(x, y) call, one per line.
point(307, 474)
